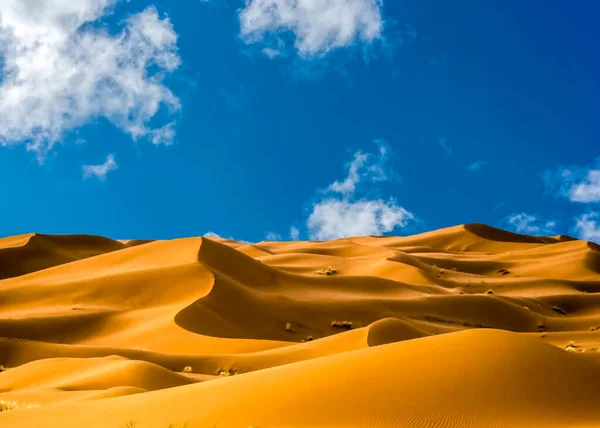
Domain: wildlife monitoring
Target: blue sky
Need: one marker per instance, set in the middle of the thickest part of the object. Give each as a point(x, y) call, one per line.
point(311, 120)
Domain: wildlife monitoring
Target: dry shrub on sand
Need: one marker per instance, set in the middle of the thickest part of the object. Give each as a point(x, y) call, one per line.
point(342, 324)
point(571, 347)
point(225, 373)
point(6, 406)
point(329, 271)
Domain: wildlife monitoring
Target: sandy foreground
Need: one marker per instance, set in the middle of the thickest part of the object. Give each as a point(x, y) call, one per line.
point(468, 326)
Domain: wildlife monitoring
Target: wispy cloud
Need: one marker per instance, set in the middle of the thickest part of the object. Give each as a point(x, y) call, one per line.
point(164, 135)
point(578, 184)
point(317, 27)
point(444, 143)
point(100, 171)
point(272, 236)
point(530, 224)
point(294, 233)
point(587, 227)
point(499, 206)
point(477, 165)
point(439, 60)
point(217, 236)
point(272, 52)
point(60, 71)
point(364, 166)
point(233, 98)
point(340, 213)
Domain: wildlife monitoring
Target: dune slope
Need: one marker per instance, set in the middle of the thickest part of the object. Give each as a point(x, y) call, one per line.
point(24, 254)
point(465, 326)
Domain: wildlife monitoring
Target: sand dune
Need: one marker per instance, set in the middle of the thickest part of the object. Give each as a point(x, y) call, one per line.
point(20, 255)
point(468, 326)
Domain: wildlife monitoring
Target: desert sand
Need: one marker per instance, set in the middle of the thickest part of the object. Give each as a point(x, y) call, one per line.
point(468, 326)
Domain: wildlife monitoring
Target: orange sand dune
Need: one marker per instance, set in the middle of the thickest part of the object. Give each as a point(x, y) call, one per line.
point(468, 326)
point(20, 255)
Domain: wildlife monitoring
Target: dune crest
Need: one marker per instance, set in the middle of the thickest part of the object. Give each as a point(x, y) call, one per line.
point(29, 253)
point(465, 326)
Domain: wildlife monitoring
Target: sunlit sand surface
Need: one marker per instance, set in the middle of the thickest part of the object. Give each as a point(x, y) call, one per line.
point(468, 326)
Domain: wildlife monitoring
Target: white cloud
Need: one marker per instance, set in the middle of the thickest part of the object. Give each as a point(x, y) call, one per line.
point(579, 185)
point(588, 227)
point(575, 183)
point(217, 236)
point(477, 165)
point(334, 218)
point(61, 69)
point(349, 184)
point(341, 214)
point(530, 224)
point(164, 135)
point(272, 236)
point(100, 171)
point(294, 233)
point(317, 26)
point(271, 52)
point(588, 190)
point(364, 166)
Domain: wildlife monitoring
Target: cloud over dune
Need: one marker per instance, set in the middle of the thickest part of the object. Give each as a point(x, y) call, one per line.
point(529, 224)
point(588, 226)
point(579, 185)
point(294, 233)
point(335, 218)
point(342, 213)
